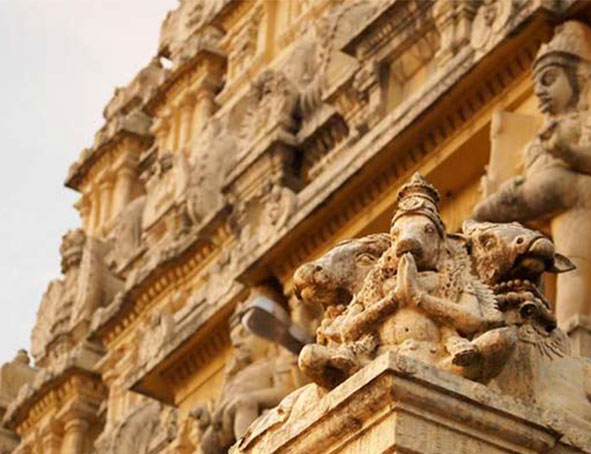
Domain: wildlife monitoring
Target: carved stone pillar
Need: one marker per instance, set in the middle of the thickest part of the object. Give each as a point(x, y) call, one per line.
point(84, 209)
point(124, 187)
point(205, 106)
point(95, 209)
point(52, 437)
point(171, 132)
point(106, 196)
point(74, 435)
point(186, 109)
point(160, 131)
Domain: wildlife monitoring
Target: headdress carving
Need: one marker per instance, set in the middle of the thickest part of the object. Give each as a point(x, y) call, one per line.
point(419, 197)
point(571, 39)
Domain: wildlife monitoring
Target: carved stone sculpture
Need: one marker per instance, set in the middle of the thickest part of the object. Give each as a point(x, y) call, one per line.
point(420, 299)
point(212, 155)
point(69, 303)
point(451, 300)
point(258, 377)
point(329, 282)
point(127, 233)
point(136, 432)
point(556, 184)
point(540, 369)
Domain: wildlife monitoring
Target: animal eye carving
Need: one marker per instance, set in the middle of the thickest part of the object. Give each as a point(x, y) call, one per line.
point(487, 241)
point(429, 229)
point(365, 258)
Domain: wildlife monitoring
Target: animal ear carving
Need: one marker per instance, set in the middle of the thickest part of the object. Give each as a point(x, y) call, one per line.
point(562, 264)
point(468, 225)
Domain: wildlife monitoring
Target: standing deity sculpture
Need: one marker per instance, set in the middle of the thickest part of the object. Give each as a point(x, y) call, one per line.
point(556, 182)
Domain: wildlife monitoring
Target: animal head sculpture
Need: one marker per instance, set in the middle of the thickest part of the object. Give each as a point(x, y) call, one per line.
point(512, 259)
point(417, 227)
point(337, 275)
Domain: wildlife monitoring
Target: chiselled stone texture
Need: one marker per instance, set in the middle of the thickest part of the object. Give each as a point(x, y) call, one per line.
point(399, 404)
point(555, 185)
point(236, 247)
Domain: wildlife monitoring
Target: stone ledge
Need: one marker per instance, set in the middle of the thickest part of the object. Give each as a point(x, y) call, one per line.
point(397, 404)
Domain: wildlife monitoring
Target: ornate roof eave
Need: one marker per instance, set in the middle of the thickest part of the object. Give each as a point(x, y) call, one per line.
point(142, 282)
point(384, 22)
point(183, 349)
point(226, 15)
point(204, 53)
point(80, 362)
point(417, 111)
point(80, 169)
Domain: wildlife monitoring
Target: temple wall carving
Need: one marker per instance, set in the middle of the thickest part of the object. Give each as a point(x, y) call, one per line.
point(258, 262)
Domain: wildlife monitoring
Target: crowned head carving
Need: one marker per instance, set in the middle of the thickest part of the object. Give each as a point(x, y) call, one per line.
point(562, 70)
point(71, 249)
point(249, 347)
point(417, 227)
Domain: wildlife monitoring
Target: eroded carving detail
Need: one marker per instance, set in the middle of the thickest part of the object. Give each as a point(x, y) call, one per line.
point(258, 377)
point(556, 183)
point(69, 303)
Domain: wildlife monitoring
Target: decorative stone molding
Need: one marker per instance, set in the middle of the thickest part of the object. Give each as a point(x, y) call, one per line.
point(69, 304)
point(388, 403)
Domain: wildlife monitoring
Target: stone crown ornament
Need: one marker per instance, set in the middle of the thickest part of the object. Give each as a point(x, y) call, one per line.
point(71, 248)
point(419, 197)
point(572, 39)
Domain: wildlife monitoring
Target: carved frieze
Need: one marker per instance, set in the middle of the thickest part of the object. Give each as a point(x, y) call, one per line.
point(68, 305)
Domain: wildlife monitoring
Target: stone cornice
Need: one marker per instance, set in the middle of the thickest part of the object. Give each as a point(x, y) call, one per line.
point(200, 336)
point(205, 61)
point(401, 386)
point(418, 111)
point(186, 256)
point(108, 146)
point(52, 387)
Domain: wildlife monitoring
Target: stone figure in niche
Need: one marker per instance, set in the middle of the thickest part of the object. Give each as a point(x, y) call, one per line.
point(127, 233)
point(212, 155)
point(556, 183)
point(257, 378)
point(421, 299)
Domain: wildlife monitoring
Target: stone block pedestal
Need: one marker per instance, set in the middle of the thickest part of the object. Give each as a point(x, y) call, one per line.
point(399, 405)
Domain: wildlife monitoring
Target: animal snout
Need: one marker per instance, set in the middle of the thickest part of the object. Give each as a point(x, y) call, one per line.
point(309, 274)
point(411, 245)
point(542, 247)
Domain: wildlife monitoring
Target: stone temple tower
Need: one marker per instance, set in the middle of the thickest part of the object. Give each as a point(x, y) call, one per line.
point(327, 226)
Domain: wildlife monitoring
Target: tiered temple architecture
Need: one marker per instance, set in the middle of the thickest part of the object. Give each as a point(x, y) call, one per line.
point(297, 236)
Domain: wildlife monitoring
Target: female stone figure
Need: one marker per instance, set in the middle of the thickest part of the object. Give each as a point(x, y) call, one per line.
point(556, 184)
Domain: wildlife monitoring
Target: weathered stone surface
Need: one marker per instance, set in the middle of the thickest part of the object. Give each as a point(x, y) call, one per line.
point(401, 404)
point(555, 185)
point(261, 135)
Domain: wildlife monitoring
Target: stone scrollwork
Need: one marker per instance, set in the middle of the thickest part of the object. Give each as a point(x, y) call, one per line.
point(492, 17)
